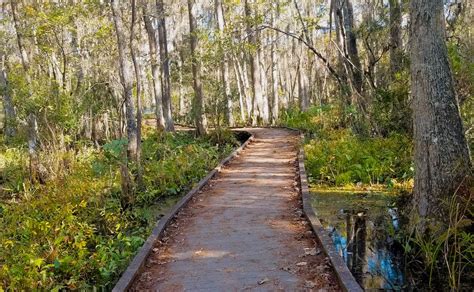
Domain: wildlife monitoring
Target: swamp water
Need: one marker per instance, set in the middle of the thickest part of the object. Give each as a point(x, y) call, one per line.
point(362, 227)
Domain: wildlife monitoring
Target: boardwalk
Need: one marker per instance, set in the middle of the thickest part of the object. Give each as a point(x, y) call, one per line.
point(245, 231)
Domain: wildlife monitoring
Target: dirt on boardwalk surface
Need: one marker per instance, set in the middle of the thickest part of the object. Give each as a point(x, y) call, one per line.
point(244, 231)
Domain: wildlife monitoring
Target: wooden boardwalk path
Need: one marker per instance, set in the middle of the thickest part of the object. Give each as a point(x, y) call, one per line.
point(244, 231)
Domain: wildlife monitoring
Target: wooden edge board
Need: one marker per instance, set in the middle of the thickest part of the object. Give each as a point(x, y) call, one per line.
point(136, 265)
point(344, 276)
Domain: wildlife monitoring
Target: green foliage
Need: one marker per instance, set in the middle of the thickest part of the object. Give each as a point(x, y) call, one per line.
point(345, 159)
point(337, 157)
point(316, 121)
point(71, 232)
point(390, 111)
point(13, 163)
point(443, 253)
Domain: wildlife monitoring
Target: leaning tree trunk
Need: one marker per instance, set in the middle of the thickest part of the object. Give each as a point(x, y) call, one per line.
point(224, 66)
point(442, 158)
point(198, 103)
point(126, 79)
point(155, 69)
point(165, 67)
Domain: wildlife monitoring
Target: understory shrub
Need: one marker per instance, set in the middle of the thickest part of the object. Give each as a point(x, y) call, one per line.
point(343, 159)
point(335, 156)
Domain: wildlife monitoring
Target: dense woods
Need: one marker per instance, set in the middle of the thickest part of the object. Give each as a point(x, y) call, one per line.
point(93, 93)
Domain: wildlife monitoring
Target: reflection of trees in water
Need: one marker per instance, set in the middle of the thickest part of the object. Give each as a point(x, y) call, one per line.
point(365, 245)
point(356, 228)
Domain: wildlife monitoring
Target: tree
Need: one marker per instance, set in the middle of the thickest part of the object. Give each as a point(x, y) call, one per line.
point(224, 65)
point(198, 102)
point(165, 67)
point(32, 119)
point(259, 112)
point(8, 107)
point(155, 67)
point(395, 36)
point(126, 80)
point(275, 108)
point(442, 159)
point(351, 45)
point(137, 69)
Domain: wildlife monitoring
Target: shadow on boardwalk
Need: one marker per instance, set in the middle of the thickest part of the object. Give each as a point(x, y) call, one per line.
point(244, 231)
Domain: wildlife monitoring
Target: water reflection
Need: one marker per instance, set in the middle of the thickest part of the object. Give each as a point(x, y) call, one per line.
point(362, 228)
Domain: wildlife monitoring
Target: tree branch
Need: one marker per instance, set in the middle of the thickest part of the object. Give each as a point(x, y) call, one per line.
point(310, 47)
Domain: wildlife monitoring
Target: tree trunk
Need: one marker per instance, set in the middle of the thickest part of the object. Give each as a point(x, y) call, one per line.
point(351, 44)
point(442, 158)
point(155, 70)
point(198, 103)
point(395, 37)
point(8, 107)
point(303, 82)
point(165, 67)
point(275, 93)
point(32, 120)
point(25, 60)
point(258, 111)
point(182, 96)
point(137, 69)
point(127, 83)
point(242, 94)
point(242, 73)
point(265, 112)
point(224, 66)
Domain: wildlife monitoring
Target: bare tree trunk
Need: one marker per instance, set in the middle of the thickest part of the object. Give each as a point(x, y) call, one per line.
point(442, 159)
point(198, 104)
point(79, 70)
point(242, 93)
point(303, 82)
point(275, 93)
point(32, 120)
point(265, 112)
point(395, 36)
point(155, 70)
point(224, 66)
point(258, 113)
point(8, 107)
point(165, 67)
point(32, 145)
point(182, 101)
point(137, 69)
point(242, 73)
point(127, 83)
point(25, 61)
point(351, 43)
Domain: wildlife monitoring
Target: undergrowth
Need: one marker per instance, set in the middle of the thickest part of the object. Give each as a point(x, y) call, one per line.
point(337, 157)
point(71, 232)
point(442, 255)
